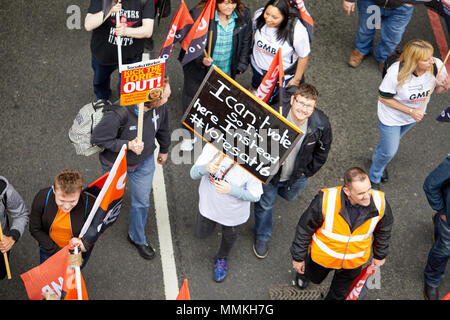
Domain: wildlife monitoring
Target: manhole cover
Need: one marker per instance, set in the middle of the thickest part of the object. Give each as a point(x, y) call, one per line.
point(286, 292)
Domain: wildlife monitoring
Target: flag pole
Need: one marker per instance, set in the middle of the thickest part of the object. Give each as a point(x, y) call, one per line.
point(119, 43)
point(435, 80)
point(5, 256)
point(209, 44)
point(78, 277)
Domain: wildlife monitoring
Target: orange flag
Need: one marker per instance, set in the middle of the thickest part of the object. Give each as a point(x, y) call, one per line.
point(48, 277)
point(269, 81)
point(184, 292)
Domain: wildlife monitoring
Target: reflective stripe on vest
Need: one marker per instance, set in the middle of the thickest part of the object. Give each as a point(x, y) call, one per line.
point(334, 245)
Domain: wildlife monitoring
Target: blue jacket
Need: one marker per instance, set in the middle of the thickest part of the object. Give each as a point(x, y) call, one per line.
point(437, 188)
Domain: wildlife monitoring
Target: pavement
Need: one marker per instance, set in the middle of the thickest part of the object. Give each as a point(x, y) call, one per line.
point(46, 78)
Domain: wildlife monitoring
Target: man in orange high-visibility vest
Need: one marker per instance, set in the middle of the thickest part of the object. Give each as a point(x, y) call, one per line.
point(341, 227)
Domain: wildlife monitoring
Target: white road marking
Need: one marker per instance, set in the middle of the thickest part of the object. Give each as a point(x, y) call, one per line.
point(164, 234)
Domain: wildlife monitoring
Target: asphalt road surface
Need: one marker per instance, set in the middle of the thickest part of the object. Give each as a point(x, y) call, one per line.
point(45, 79)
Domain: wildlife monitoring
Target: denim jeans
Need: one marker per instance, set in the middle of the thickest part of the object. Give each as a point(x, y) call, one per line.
point(44, 255)
point(263, 208)
point(102, 78)
point(393, 25)
point(140, 181)
point(387, 148)
point(439, 253)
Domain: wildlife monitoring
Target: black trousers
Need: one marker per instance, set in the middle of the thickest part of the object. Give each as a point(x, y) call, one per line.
point(342, 278)
point(3, 266)
point(206, 226)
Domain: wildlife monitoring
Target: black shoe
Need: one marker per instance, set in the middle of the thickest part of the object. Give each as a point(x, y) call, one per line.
point(430, 293)
point(301, 281)
point(385, 176)
point(375, 186)
point(146, 251)
point(261, 248)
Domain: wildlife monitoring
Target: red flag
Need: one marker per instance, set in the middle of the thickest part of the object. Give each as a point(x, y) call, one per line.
point(355, 290)
point(195, 41)
point(305, 17)
point(178, 30)
point(48, 277)
point(268, 82)
point(184, 292)
point(109, 191)
point(447, 297)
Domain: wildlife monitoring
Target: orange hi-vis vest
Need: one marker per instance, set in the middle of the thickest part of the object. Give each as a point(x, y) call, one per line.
point(334, 245)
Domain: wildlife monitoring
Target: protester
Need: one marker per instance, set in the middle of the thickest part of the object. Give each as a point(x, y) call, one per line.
point(401, 101)
point(230, 49)
point(278, 26)
point(225, 193)
point(307, 157)
point(139, 15)
point(437, 190)
point(58, 214)
point(13, 219)
point(109, 134)
point(394, 16)
point(341, 227)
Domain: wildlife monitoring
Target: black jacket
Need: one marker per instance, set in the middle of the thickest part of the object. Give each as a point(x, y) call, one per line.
point(312, 219)
point(195, 71)
point(315, 146)
point(105, 134)
point(42, 217)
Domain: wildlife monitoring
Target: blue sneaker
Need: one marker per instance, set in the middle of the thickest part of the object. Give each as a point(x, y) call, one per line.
point(220, 269)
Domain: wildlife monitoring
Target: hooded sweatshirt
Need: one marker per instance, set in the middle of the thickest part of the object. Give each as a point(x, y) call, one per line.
point(13, 211)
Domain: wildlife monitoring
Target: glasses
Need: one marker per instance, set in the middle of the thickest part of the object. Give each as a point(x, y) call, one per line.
point(305, 106)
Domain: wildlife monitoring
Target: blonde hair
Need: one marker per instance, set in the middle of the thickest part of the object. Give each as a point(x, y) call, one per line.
point(413, 52)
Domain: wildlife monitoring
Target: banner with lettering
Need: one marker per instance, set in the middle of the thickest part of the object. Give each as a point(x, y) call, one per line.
point(141, 82)
point(243, 127)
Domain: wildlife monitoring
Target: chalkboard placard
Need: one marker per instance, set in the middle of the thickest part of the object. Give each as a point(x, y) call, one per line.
point(240, 125)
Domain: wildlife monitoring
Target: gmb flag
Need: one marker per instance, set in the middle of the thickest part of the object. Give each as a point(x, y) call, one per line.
point(109, 191)
point(358, 290)
point(269, 81)
point(178, 30)
point(195, 41)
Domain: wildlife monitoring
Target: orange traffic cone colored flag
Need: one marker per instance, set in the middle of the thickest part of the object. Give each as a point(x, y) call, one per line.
point(184, 292)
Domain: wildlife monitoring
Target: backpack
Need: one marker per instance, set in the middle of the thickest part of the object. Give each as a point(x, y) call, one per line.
point(392, 58)
point(87, 119)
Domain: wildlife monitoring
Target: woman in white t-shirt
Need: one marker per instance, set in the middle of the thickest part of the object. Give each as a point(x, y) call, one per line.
point(225, 193)
point(278, 26)
point(402, 95)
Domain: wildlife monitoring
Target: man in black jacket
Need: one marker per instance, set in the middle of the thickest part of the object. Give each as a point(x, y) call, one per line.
point(339, 229)
point(307, 157)
point(109, 135)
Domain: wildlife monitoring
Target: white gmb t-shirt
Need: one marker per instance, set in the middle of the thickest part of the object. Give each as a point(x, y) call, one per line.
point(224, 208)
point(412, 94)
point(266, 45)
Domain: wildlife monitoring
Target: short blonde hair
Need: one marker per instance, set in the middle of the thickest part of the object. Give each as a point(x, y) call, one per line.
point(68, 181)
point(413, 52)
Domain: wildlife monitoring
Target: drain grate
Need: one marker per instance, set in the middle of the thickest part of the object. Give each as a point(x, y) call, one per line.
point(287, 292)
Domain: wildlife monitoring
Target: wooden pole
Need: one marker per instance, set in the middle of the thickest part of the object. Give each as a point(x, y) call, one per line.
point(5, 256)
point(435, 80)
point(140, 121)
point(209, 43)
